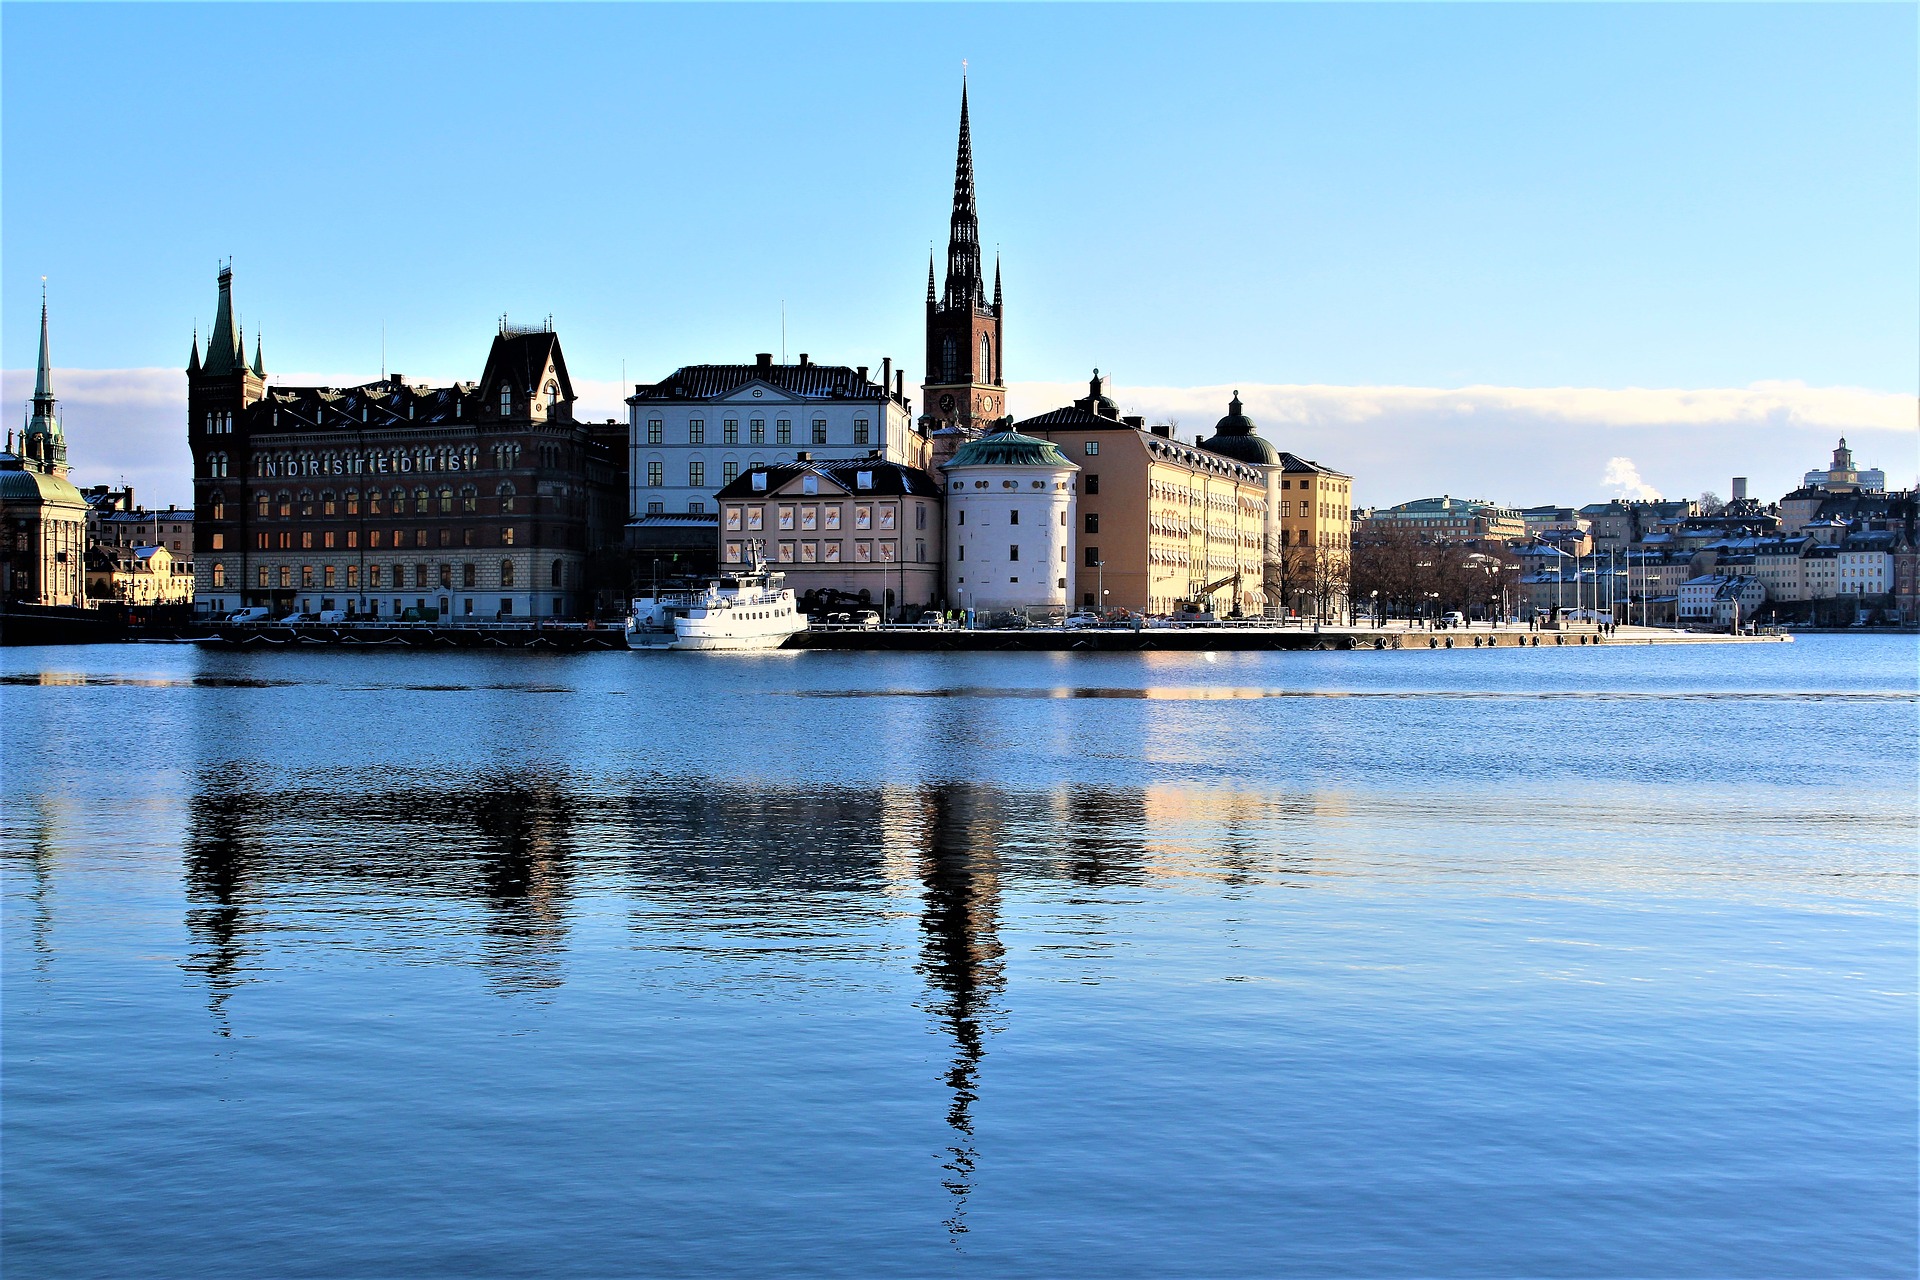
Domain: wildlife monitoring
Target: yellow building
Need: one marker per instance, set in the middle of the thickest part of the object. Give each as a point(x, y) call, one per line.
point(1159, 521)
point(138, 576)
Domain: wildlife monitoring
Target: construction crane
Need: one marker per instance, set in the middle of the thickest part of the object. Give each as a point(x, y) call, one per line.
point(1198, 606)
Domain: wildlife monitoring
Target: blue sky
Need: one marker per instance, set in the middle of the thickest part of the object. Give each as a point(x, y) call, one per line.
point(1433, 196)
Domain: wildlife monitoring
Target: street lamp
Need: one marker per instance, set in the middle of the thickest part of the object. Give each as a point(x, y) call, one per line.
point(1100, 586)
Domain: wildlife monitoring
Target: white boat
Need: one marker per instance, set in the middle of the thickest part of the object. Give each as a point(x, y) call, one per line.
point(750, 609)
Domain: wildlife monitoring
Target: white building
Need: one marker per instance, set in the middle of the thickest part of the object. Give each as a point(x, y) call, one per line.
point(1863, 565)
point(1720, 599)
point(1011, 523)
point(701, 427)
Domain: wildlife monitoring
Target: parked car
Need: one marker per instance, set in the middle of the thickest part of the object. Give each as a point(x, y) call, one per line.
point(867, 618)
point(1455, 619)
point(932, 620)
point(334, 616)
point(258, 613)
point(296, 616)
point(1079, 620)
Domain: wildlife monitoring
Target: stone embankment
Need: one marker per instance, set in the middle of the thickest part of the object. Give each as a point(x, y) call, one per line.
point(1202, 637)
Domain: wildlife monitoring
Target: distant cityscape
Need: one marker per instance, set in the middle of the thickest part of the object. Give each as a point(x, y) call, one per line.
point(492, 501)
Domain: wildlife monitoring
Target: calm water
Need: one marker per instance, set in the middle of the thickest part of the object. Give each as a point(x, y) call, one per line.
point(1578, 963)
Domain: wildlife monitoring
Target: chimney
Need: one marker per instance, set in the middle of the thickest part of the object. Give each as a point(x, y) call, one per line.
point(900, 385)
point(1163, 429)
point(803, 456)
point(803, 359)
point(886, 373)
point(1739, 488)
point(1134, 421)
point(764, 360)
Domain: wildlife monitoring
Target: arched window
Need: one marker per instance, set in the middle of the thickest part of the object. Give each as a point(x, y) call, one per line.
point(306, 502)
point(556, 573)
point(353, 502)
point(446, 499)
point(219, 574)
point(506, 401)
point(506, 493)
point(949, 360)
point(506, 573)
point(469, 498)
point(986, 359)
point(420, 499)
point(260, 504)
point(553, 394)
point(329, 505)
point(399, 497)
point(286, 504)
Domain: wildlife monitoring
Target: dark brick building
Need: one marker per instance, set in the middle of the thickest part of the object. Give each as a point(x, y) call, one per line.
point(480, 500)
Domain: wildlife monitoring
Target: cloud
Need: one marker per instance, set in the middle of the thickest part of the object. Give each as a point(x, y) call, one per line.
point(1622, 480)
point(1524, 445)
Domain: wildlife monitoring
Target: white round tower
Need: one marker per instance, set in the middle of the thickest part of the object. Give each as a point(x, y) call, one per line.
point(1012, 503)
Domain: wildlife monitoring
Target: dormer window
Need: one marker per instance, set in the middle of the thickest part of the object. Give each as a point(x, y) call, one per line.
point(863, 480)
point(553, 394)
point(810, 484)
point(760, 481)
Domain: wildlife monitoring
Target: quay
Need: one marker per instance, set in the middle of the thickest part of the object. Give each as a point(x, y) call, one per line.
point(1187, 637)
point(1240, 636)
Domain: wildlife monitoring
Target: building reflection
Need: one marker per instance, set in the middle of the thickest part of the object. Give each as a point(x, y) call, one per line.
point(961, 956)
point(222, 855)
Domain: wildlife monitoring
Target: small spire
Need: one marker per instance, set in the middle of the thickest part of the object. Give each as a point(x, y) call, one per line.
point(929, 275)
point(996, 279)
point(259, 368)
point(193, 359)
point(43, 375)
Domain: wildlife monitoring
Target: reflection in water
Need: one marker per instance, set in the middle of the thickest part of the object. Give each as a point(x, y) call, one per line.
point(960, 955)
point(526, 826)
point(39, 854)
point(221, 856)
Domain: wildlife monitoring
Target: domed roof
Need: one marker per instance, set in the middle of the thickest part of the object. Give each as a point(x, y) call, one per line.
point(1010, 449)
point(18, 483)
point(1234, 437)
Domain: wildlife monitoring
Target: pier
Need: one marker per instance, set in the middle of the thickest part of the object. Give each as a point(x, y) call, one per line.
point(1242, 636)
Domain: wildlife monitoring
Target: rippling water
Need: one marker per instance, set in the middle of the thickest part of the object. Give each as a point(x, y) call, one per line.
point(1581, 963)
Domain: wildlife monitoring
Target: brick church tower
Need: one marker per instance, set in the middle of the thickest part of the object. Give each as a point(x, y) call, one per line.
point(966, 387)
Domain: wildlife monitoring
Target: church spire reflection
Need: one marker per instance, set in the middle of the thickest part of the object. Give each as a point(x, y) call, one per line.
point(961, 958)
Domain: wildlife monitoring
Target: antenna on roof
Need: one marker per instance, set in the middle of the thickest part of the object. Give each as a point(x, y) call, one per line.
point(783, 331)
point(383, 351)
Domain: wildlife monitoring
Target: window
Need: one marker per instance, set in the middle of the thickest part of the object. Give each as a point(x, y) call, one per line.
point(819, 430)
point(556, 573)
point(782, 431)
point(446, 499)
point(1013, 551)
point(655, 508)
point(830, 552)
point(863, 480)
point(697, 473)
point(328, 503)
point(656, 474)
point(986, 359)
point(1013, 516)
point(1093, 483)
point(729, 471)
point(809, 518)
point(553, 394)
point(861, 431)
point(286, 576)
point(919, 551)
point(730, 431)
point(326, 575)
point(1093, 522)
point(755, 517)
point(306, 539)
point(949, 361)
point(373, 576)
point(886, 517)
point(759, 482)
point(306, 575)
point(260, 504)
point(886, 552)
point(696, 431)
point(962, 553)
point(863, 517)
point(219, 575)
point(809, 484)
point(656, 430)
point(506, 536)
point(1093, 557)
point(786, 518)
point(353, 502)
point(468, 574)
point(735, 551)
point(1093, 448)
point(757, 431)
point(469, 499)
point(506, 401)
point(506, 573)
point(963, 517)
point(696, 507)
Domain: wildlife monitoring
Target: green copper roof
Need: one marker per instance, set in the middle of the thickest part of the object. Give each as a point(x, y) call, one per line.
point(1010, 449)
point(224, 352)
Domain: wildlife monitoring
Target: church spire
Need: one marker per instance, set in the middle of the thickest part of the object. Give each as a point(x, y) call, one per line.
point(996, 281)
point(45, 449)
point(259, 368)
point(964, 285)
point(193, 359)
point(929, 275)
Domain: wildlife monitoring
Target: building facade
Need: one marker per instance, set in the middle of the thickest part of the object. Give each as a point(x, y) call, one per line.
point(1012, 512)
point(138, 576)
point(477, 501)
point(695, 431)
point(966, 386)
point(865, 527)
point(1449, 519)
point(1160, 522)
point(43, 517)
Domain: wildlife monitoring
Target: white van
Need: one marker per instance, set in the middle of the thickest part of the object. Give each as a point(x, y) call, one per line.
point(258, 613)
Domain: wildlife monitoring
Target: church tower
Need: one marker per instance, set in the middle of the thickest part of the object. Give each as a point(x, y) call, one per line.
point(43, 445)
point(965, 385)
